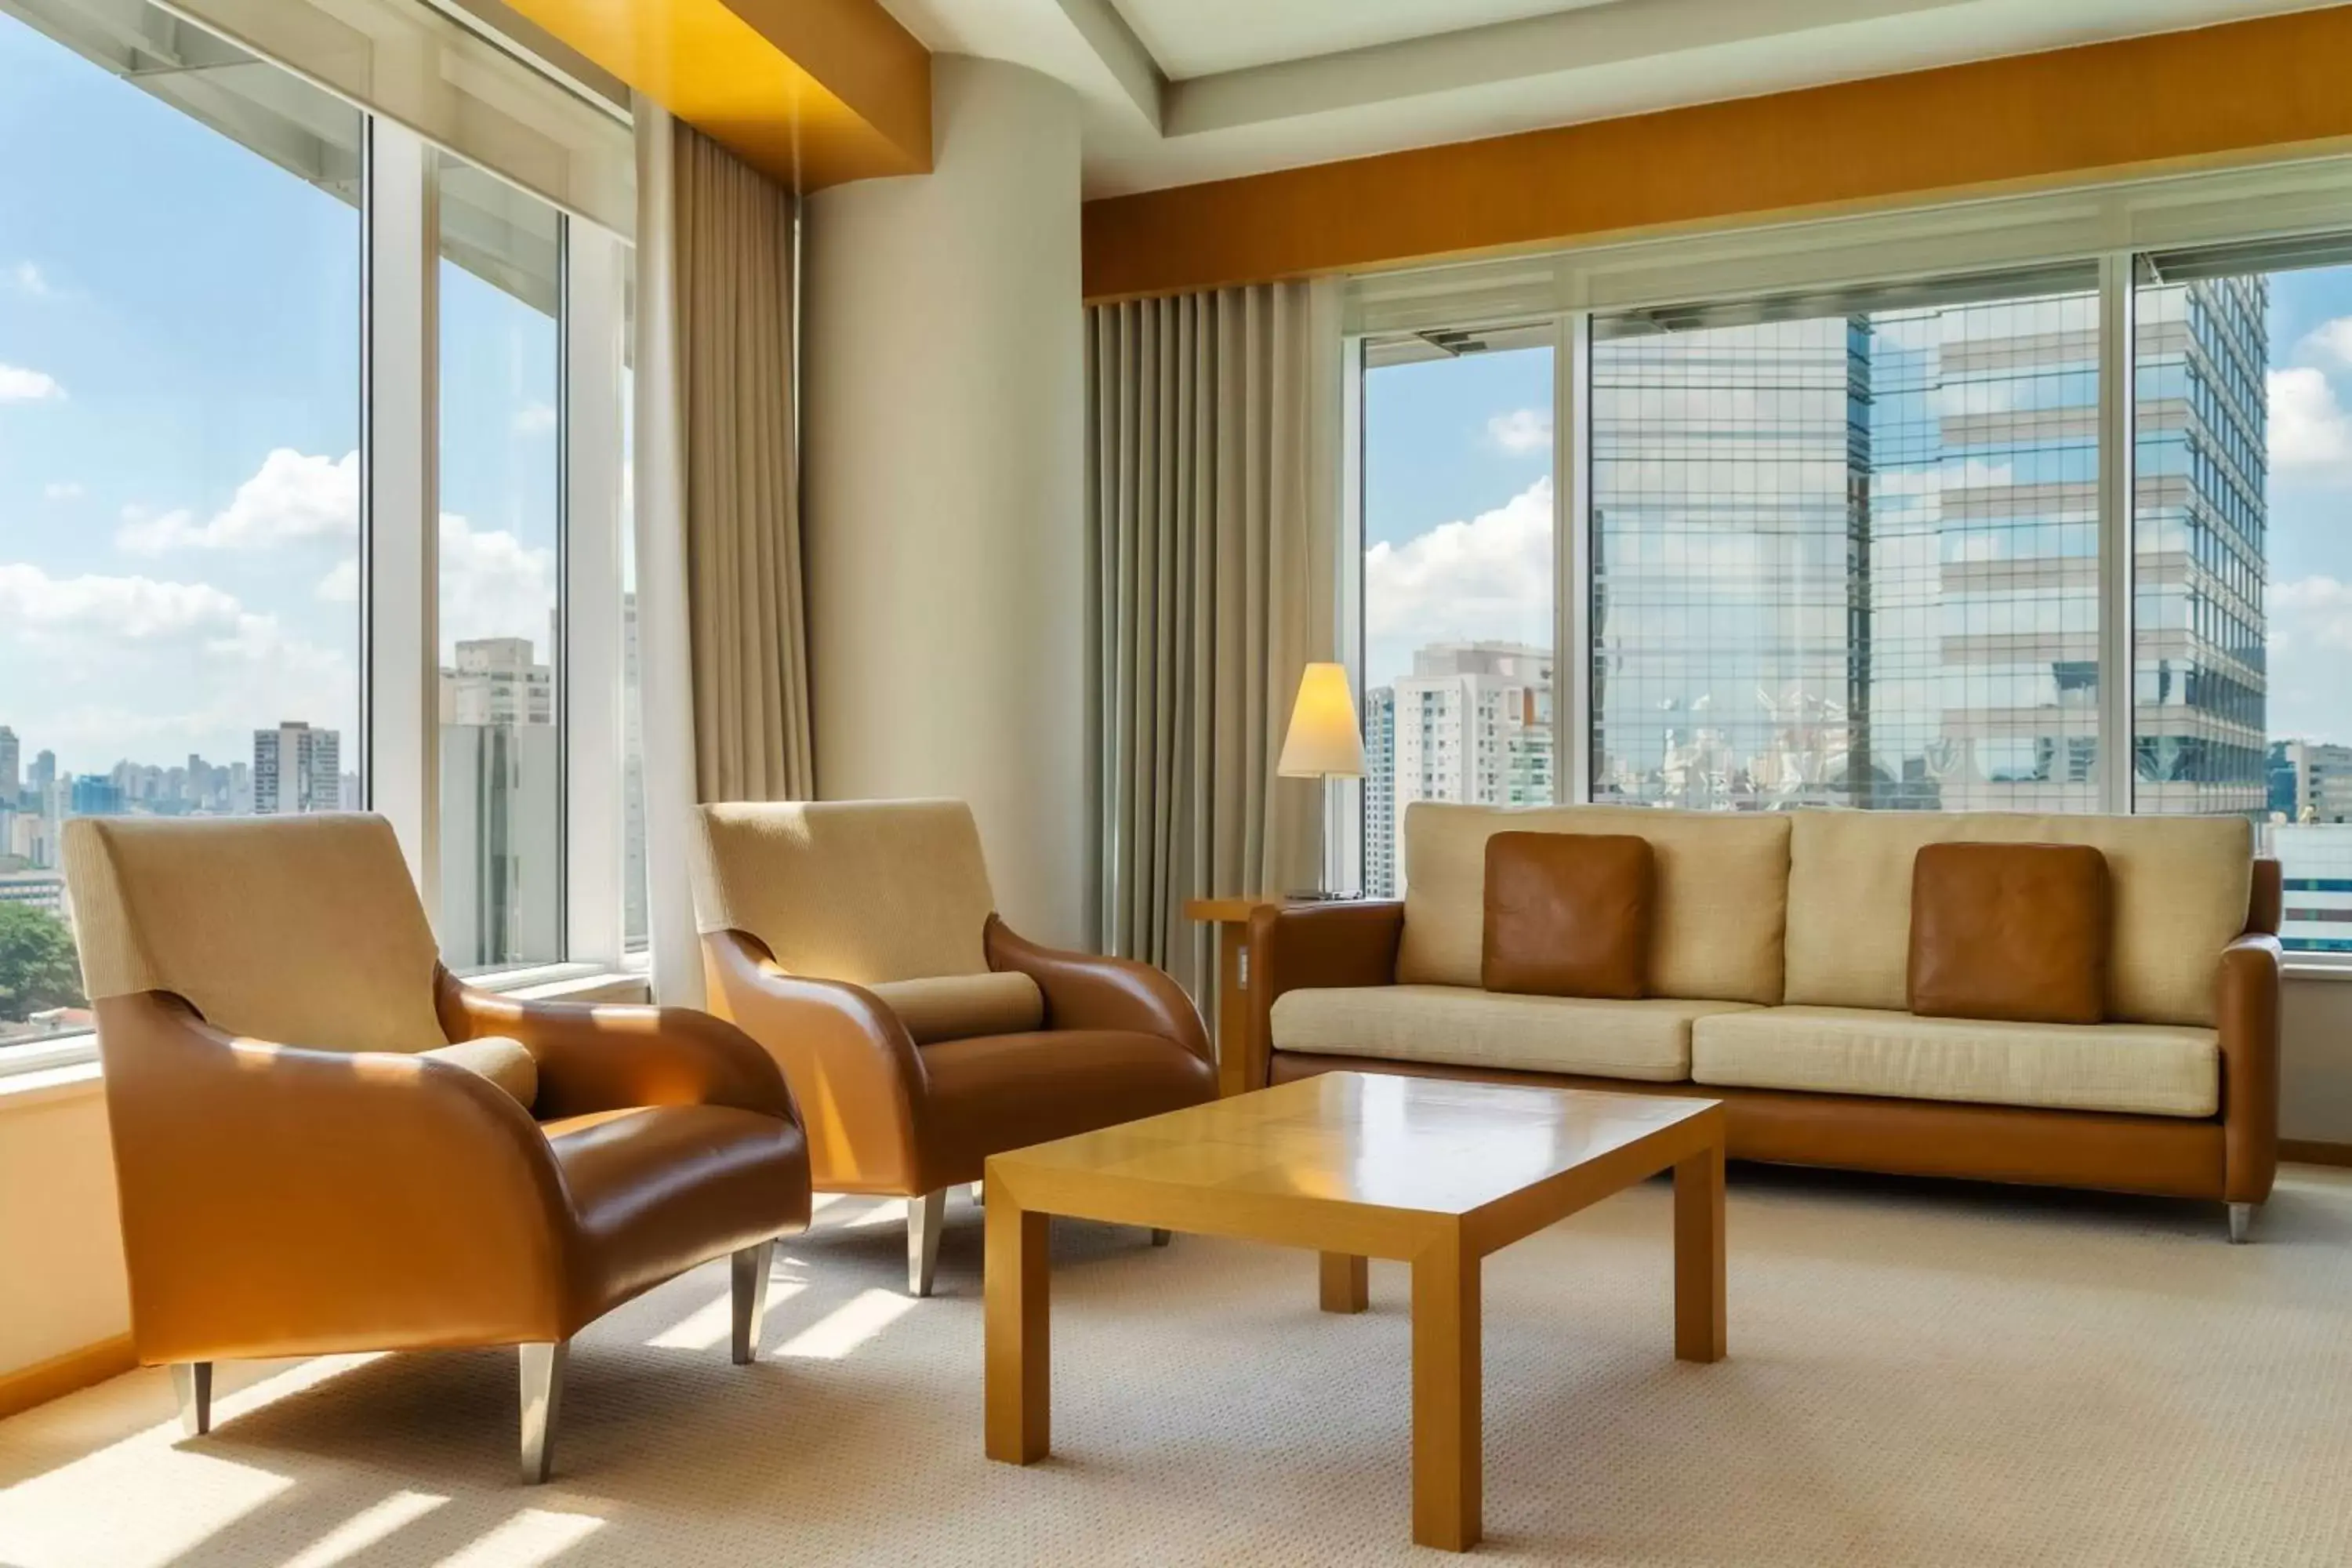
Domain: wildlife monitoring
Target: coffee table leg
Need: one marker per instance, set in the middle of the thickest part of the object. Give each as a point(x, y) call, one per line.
point(1446, 1394)
point(1347, 1282)
point(1019, 1376)
point(1698, 1257)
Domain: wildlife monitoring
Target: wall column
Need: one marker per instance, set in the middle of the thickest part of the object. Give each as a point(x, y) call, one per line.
point(942, 427)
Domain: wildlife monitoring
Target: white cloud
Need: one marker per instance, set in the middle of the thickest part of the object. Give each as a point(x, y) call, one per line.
point(2310, 634)
point(26, 279)
point(20, 385)
point(2327, 341)
point(1521, 431)
point(493, 584)
point(341, 586)
point(63, 489)
point(534, 419)
point(292, 496)
point(1489, 577)
point(2308, 428)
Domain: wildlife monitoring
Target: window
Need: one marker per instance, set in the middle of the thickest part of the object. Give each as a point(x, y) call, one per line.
point(1457, 579)
point(1848, 557)
point(499, 615)
point(179, 439)
point(2242, 621)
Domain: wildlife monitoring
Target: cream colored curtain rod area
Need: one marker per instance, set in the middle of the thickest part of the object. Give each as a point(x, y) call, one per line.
point(721, 618)
point(1212, 497)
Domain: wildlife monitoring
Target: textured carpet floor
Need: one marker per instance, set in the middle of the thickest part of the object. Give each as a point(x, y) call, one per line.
point(1919, 1373)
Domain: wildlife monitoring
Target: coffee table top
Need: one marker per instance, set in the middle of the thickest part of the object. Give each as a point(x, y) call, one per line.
point(1300, 1157)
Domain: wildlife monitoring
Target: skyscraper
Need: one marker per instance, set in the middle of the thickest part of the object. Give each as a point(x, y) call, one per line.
point(1472, 722)
point(11, 785)
point(295, 769)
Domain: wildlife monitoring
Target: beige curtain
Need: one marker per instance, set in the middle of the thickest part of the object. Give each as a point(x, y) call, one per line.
point(737, 376)
point(1213, 522)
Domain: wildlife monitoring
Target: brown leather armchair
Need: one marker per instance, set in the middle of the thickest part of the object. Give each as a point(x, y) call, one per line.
point(325, 1142)
point(858, 940)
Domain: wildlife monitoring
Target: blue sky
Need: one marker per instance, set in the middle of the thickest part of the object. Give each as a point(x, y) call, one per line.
point(179, 411)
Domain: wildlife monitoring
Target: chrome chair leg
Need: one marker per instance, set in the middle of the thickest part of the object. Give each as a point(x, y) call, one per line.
point(2242, 1221)
point(191, 1385)
point(979, 1193)
point(751, 1299)
point(542, 1403)
point(925, 1216)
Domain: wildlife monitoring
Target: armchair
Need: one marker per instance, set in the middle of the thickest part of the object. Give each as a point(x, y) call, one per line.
point(324, 1141)
point(858, 940)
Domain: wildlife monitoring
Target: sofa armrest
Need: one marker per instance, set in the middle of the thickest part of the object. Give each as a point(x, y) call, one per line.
point(853, 1070)
point(283, 1201)
point(2248, 1013)
point(1295, 947)
point(598, 1055)
point(1089, 990)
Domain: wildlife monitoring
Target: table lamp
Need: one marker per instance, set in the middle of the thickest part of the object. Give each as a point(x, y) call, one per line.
point(1326, 743)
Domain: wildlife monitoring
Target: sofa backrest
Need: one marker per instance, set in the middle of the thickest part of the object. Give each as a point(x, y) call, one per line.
point(2180, 888)
point(1722, 892)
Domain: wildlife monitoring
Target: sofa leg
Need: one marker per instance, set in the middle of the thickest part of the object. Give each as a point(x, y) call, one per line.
point(750, 1299)
point(542, 1402)
point(2242, 1220)
point(925, 1216)
point(978, 1195)
point(191, 1385)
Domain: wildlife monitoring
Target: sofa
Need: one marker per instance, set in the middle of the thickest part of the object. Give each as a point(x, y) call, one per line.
point(1777, 975)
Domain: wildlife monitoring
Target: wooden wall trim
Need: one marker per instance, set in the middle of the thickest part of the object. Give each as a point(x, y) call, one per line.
point(2232, 93)
point(67, 1374)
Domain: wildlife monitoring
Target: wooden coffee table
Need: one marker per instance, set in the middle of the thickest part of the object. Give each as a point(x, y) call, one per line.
point(1357, 1165)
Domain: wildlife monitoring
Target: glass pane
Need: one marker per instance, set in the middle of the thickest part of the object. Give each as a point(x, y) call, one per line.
point(178, 468)
point(636, 924)
point(1850, 561)
point(1457, 589)
point(2240, 558)
point(500, 624)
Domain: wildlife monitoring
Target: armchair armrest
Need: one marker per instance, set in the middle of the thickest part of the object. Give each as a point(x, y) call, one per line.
point(605, 1057)
point(1089, 990)
point(2248, 1013)
point(283, 1201)
point(1295, 947)
point(852, 1068)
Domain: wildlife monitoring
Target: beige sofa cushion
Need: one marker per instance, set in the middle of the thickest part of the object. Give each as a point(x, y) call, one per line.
point(962, 1007)
point(863, 891)
point(1464, 1027)
point(2148, 1070)
point(494, 1057)
point(2179, 891)
point(304, 930)
point(1719, 900)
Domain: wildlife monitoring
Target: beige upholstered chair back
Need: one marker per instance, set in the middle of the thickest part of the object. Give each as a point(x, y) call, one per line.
point(1722, 892)
point(304, 930)
point(2181, 886)
point(866, 891)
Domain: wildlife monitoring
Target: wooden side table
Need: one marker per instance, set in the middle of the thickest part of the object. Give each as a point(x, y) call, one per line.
point(1232, 917)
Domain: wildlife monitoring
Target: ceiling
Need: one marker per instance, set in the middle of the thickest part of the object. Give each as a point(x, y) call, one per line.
point(1176, 92)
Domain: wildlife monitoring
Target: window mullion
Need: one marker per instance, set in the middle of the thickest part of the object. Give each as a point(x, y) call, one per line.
point(2116, 403)
point(1573, 560)
point(589, 664)
point(401, 445)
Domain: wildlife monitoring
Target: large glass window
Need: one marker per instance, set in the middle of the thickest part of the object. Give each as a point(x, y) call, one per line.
point(2242, 620)
point(180, 283)
point(1458, 602)
point(1848, 556)
point(500, 617)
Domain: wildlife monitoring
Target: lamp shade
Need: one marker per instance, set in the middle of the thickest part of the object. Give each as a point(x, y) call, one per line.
point(1324, 742)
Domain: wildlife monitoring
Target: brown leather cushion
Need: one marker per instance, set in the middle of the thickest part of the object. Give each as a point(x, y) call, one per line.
point(2012, 932)
point(1569, 914)
point(996, 1092)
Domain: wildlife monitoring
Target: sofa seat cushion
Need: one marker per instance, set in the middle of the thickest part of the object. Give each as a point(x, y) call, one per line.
point(2149, 1069)
point(982, 1097)
point(957, 1006)
point(1649, 1038)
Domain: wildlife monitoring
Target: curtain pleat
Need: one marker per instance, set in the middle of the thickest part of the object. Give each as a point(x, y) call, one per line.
point(1213, 563)
point(747, 621)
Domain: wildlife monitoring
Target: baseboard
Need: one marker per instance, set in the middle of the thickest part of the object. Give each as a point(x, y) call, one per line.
point(2308, 1152)
point(63, 1374)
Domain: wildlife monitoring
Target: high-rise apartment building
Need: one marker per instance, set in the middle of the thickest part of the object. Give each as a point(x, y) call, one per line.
point(1379, 793)
point(295, 769)
point(10, 785)
point(2310, 782)
point(497, 680)
point(1472, 722)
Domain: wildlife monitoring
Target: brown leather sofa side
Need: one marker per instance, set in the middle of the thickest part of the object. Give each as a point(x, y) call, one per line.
point(1091, 991)
point(2247, 1012)
point(1296, 946)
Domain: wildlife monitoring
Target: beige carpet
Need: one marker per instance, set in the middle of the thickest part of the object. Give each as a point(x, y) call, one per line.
point(1918, 1374)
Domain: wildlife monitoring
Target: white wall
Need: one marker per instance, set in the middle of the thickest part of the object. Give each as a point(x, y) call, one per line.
point(2315, 1061)
point(943, 465)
